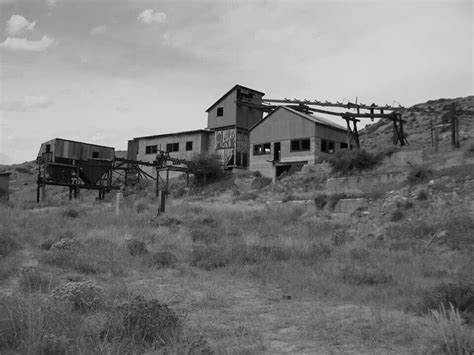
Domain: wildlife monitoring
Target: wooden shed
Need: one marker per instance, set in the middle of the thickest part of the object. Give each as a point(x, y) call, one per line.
point(287, 138)
point(62, 150)
point(4, 186)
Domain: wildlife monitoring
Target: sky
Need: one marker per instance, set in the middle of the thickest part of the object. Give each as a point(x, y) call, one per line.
point(106, 71)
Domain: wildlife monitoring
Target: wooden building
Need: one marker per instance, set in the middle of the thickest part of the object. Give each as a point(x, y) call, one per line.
point(64, 150)
point(4, 186)
point(231, 123)
point(288, 138)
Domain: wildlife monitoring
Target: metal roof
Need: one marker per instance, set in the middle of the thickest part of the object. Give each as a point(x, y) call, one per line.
point(228, 92)
point(316, 119)
point(174, 134)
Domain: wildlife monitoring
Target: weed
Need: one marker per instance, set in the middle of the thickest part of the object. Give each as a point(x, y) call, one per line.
point(450, 332)
point(33, 279)
point(205, 235)
point(46, 244)
point(397, 215)
point(321, 201)
point(164, 259)
point(135, 247)
point(143, 322)
point(246, 196)
point(66, 244)
point(365, 275)
point(419, 175)
point(422, 195)
point(458, 294)
point(209, 258)
point(7, 245)
point(70, 212)
point(141, 206)
point(84, 296)
point(333, 199)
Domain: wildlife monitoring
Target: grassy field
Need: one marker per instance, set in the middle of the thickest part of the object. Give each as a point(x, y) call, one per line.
point(229, 273)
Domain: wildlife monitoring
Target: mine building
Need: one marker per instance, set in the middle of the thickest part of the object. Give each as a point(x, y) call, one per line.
point(287, 138)
point(4, 186)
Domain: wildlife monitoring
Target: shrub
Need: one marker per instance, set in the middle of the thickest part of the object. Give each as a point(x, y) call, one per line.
point(321, 201)
point(205, 235)
point(163, 259)
point(83, 296)
point(365, 275)
point(70, 212)
point(207, 167)
point(140, 206)
point(451, 334)
point(7, 245)
point(46, 244)
point(419, 175)
point(333, 199)
point(209, 258)
point(422, 195)
point(246, 196)
point(67, 244)
point(359, 254)
point(349, 161)
point(397, 215)
point(143, 321)
point(167, 221)
point(458, 294)
point(33, 279)
point(135, 247)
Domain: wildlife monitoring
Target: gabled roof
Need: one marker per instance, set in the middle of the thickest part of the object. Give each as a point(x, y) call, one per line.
point(316, 119)
point(228, 92)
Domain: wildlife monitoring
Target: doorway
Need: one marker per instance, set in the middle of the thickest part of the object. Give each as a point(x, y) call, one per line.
point(276, 151)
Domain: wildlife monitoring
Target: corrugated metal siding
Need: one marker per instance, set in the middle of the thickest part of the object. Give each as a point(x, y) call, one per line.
point(65, 149)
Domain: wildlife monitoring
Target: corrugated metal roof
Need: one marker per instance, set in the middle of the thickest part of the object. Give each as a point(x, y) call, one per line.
point(174, 134)
point(315, 119)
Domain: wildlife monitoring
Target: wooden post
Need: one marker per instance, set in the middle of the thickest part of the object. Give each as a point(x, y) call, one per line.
point(349, 134)
point(117, 203)
point(435, 139)
point(70, 193)
point(38, 193)
point(43, 192)
point(402, 134)
point(157, 190)
point(163, 202)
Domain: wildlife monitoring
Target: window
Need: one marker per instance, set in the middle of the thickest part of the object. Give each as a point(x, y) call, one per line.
point(344, 145)
point(220, 111)
point(245, 159)
point(261, 149)
point(151, 149)
point(189, 146)
point(327, 146)
point(172, 147)
point(95, 155)
point(300, 145)
point(48, 148)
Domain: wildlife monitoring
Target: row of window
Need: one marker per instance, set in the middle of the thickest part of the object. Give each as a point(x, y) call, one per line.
point(170, 147)
point(300, 145)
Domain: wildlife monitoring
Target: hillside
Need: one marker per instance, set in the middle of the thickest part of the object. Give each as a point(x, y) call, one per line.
point(378, 136)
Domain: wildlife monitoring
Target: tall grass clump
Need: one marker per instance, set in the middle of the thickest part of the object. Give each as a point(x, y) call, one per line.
point(33, 279)
point(206, 167)
point(449, 330)
point(419, 175)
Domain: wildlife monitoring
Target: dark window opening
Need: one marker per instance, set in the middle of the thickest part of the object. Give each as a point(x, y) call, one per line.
point(220, 111)
point(344, 145)
point(189, 146)
point(261, 149)
point(327, 146)
point(172, 147)
point(48, 148)
point(245, 159)
point(151, 149)
point(300, 145)
point(237, 159)
point(95, 155)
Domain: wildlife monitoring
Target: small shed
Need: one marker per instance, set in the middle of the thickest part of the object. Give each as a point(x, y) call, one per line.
point(63, 150)
point(4, 186)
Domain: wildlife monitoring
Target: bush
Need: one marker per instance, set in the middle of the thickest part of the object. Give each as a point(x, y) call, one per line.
point(451, 334)
point(458, 294)
point(7, 245)
point(32, 279)
point(333, 199)
point(419, 175)
point(46, 244)
point(422, 195)
point(135, 247)
point(67, 244)
point(209, 258)
point(143, 321)
point(163, 259)
point(205, 235)
point(140, 206)
point(70, 212)
point(207, 167)
point(365, 275)
point(83, 296)
point(246, 196)
point(321, 201)
point(350, 161)
point(397, 215)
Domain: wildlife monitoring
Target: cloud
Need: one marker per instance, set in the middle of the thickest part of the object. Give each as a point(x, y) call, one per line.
point(28, 103)
point(52, 3)
point(23, 44)
point(149, 16)
point(99, 30)
point(17, 24)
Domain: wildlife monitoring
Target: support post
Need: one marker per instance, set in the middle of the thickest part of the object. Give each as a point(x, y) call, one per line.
point(163, 202)
point(117, 203)
point(435, 138)
point(356, 134)
point(70, 193)
point(43, 192)
point(157, 190)
point(402, 134)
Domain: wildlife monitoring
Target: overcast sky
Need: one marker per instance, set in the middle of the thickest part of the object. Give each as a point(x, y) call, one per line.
point(105, 71)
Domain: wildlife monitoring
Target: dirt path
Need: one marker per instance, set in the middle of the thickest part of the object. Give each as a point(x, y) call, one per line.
point(239, 316)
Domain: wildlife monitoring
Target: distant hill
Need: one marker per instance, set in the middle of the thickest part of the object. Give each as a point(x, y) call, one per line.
point(378, 136)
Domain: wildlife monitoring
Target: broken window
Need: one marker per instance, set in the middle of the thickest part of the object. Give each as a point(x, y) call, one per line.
point(220, 111)
point(344, 145)
point(172, 147)
point(48, 148)
point(327, 146)
point(151, 149)
point(245, 159)
point(266, 148)
point(300, 145)
point(261, 149)
point(95, 155)
point(189, 146)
